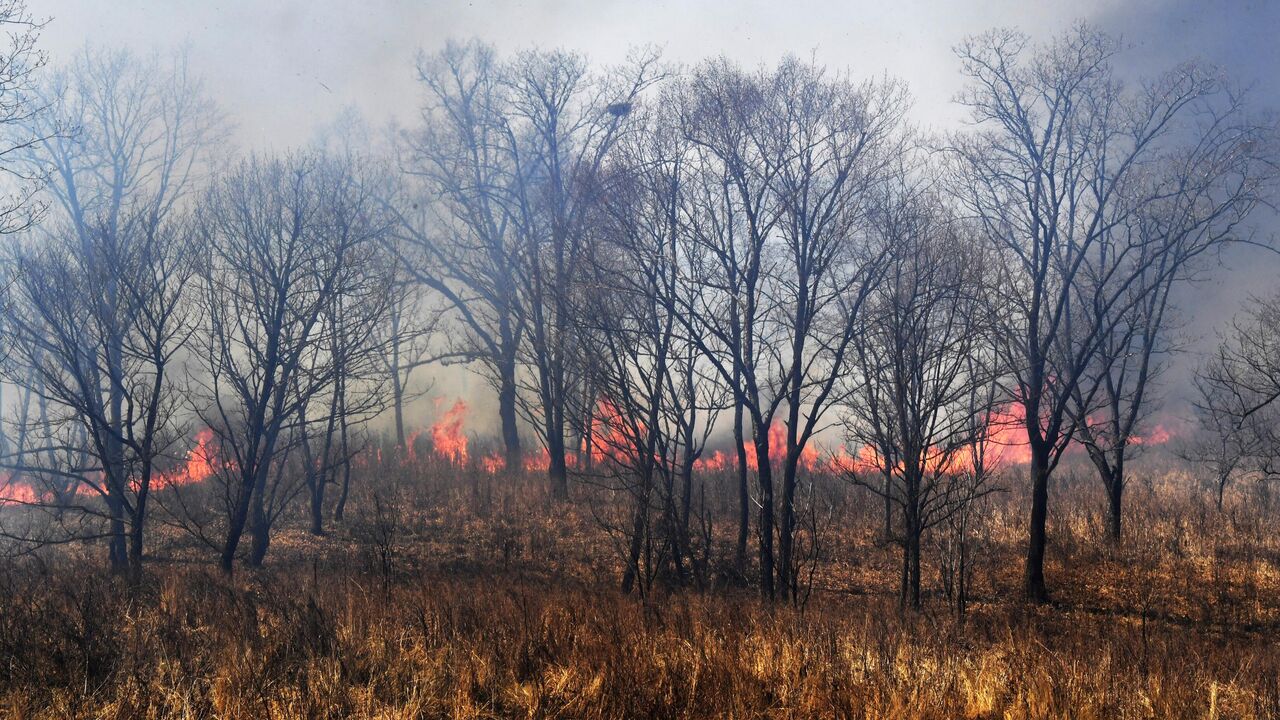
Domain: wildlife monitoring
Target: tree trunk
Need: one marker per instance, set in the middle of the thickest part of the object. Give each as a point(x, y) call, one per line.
point(397, 401)
point(1115, 497)
point(765, 476)
point(341, 507)
point(638, 523)
point(787, 529)
point(744, 492)
point(315, 483)
point(913, 556)
point(911, 534)
point(888, 507)
point(235, 529)
point(675, 537)
point(904, 575)
point(117, 552)
point(557, 470)
point(317, 505)
point(1033, 580)
point(1110, 466)
point(686, 478)
point(507, 416)
point(261, 542)
point(247, 510)
point(135, 550)
point(259, 527)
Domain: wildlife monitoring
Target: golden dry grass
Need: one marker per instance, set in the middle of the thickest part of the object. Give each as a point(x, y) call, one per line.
point(501, 604)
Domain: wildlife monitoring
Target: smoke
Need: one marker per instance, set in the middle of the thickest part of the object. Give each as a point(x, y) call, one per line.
point(285, 70)
point(1237, 36)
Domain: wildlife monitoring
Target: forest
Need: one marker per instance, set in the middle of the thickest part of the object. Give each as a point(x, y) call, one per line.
point(645, 389)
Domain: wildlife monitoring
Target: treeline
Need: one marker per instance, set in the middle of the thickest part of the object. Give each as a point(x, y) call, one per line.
point(638, 259)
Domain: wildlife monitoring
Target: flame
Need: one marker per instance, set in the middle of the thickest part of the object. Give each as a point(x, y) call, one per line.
point(1006, 441)
point(447, 437)
point(809, 455)
point(1159, 435)
point(540, 461)
point(17, 493)
point(608, 436)
point(866, 460)
point(493, 463)
point(200, 464)
point(411, 444)
point(537, 462)
point(1005, 446)
point(715, 462)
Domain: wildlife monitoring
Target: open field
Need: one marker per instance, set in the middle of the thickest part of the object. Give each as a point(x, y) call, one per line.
point(588, 360)
point(476, 596)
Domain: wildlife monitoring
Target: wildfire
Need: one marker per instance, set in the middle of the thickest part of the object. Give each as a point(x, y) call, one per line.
point(200, 464)
point(715, 462)
point(1005, 446)
point(16, 493)
point(537, 462)
point(411, 444)
point(608, 437)
point(447, 438)
point(1158, 436)
point(865, 460)
point(493, 463)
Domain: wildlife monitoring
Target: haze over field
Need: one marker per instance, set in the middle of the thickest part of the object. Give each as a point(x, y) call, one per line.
point(284, 71)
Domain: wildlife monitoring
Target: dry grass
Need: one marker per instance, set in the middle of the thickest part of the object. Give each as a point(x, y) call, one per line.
point(501, 604)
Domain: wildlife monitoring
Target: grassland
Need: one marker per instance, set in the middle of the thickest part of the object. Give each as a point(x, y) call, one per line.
point(471, 596)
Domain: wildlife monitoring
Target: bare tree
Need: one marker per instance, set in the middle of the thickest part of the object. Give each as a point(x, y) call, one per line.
point(1224, 441)
point(563, 120)
point(122, 135)
point(1061, 162)
point(790, 154)
point(410, 327)
point(24, 117)
point(731, 218)
point(1201, 196)
point(122, 142)
point(101, 321)
point(655, 401)
point(1239, 386)
point(456, 228)
point(288, 237)
point(355, 354)
point(923, 358)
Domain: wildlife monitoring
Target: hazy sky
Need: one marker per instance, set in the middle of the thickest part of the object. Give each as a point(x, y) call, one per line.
point(281, 69)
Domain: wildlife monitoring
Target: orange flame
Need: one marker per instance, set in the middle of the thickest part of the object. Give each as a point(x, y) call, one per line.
point(608, 436)
point(715, 462)
point(447, 437)
point(16, 493)
point(1006, 446)
point(493, 463)
point(200, 463)
point(537, 462)
point(1159, 436)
